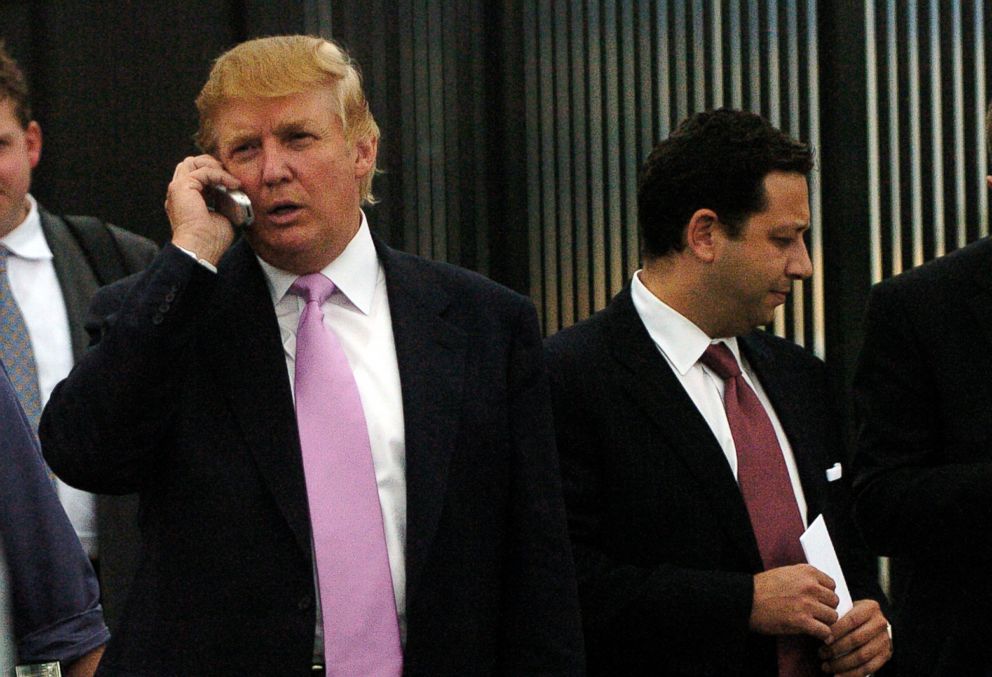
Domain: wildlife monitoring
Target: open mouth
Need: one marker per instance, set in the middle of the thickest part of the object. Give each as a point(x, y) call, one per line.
point(283, 212)
point(283, 209)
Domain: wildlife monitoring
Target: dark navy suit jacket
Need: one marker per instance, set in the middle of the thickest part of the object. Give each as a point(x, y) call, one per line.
point(185, 398)
point(664, 549)
point(55, 599)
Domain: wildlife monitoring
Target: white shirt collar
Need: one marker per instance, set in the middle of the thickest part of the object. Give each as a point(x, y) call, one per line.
point(27, 241)
point(675, 335)
point(354, 272)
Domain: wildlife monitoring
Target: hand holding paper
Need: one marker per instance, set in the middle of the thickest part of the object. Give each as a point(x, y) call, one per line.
point(820, 553)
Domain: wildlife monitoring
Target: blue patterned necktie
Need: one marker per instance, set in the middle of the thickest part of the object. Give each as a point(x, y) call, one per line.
point(15, 348)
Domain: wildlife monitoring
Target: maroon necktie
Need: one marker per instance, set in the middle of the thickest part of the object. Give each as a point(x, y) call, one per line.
point(764, 483)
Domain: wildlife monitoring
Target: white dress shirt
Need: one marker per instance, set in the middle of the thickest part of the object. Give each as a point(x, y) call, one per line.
point(38, 294)
point(358, 313)
point(682, 343)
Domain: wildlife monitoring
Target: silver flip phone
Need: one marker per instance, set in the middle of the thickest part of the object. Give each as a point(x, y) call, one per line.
point(234, 205)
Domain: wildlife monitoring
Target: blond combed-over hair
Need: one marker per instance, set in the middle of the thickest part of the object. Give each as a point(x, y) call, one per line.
point(281, 66)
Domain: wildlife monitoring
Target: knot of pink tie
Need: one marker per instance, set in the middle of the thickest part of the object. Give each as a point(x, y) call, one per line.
point(313, 287)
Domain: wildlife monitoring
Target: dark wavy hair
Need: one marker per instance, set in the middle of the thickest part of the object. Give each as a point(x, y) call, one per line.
point(714, 160)
point(14, 86)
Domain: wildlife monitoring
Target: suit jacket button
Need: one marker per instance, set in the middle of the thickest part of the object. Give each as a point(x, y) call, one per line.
point(158, 319)
point(164, 308)
point(305, 603)
point(170, 297)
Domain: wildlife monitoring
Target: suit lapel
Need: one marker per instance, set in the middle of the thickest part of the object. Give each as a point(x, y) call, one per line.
point(783, 388)
point(431, 356)
point(244, 336)
point(75, 278)
point(652, 384)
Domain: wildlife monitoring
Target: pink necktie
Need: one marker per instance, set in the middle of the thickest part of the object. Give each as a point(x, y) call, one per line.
point(764, 483)
point(361, 630)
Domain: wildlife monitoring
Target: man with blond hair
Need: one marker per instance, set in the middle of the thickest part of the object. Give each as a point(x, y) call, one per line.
point(344, 453)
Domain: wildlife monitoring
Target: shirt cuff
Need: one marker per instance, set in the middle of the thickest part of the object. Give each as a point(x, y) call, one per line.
point(203, 262)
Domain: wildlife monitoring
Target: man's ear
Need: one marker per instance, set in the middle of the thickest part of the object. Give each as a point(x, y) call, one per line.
point(701, 234)
point(365, 153)
point(32, 140)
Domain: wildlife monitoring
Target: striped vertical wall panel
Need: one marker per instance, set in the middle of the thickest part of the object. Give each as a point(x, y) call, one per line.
point(926, 89)
point(606, 80)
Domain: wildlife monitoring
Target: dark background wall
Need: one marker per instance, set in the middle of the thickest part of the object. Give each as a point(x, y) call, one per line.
point(512, 129)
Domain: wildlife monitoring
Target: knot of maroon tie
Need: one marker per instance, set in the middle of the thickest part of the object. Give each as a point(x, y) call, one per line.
point(723, 363)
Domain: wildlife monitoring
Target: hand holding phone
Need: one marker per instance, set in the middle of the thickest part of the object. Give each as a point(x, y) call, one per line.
point(234, 205)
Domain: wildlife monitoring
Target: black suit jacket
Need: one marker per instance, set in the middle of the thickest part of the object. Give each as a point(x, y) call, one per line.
point(923, 463)
point(116, 516)
point(186, 399)
point(663, 544)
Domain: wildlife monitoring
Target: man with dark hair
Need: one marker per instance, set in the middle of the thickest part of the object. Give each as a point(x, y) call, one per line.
point(50, 267)
point(923, 460)
point(54, 599)
point(695, 448)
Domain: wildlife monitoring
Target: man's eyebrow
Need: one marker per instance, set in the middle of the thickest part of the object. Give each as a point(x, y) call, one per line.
point(237, 139)
point(291, 126)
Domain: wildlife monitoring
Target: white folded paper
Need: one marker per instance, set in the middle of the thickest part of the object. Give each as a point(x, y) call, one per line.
point(820, 553)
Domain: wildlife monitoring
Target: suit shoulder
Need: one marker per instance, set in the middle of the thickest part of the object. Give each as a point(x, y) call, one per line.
point(465, 287)
point(129, 241)
point(945, 273)
point(580, 342)
point(784, 349)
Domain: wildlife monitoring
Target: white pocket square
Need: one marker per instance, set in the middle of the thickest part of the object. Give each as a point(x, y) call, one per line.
point(835, 472)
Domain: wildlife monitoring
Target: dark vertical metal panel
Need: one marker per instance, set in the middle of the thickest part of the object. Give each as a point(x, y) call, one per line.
point(597, 143)
point(664, 88)
point(480, 162)
point(915, 135)
point(422, 122)
point(645, 81)
point(960, 174)
point(533, 139)
point(754, 55)
point(816, 194)
point(874, 152)
point(698, 55)
point(564, 113)
point(548, 175)
point(437, 243)
point(613, 148)
point(317, 17)
point(584, 284)
point(895, 167)
point(629, 154)
point(736, 55)
point(681, 55)
point(454, 93)
point(410, 132)
point(936, 132)
point(716, 52)
point(981, 144)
